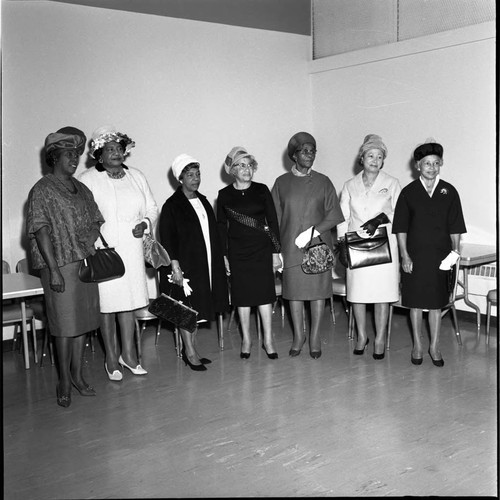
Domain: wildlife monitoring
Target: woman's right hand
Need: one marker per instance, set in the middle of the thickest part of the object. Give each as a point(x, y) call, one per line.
point(177, 276)
point(57, 281)
point(407, 264)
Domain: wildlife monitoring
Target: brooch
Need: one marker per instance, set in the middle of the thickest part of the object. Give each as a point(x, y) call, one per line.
point(383, 191)
point(444, 191)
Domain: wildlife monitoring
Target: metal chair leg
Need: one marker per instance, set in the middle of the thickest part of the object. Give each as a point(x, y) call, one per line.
point(220, 322)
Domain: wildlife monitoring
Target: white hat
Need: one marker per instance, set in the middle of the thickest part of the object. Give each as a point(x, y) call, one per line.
point(181, 162)
point(108, 133)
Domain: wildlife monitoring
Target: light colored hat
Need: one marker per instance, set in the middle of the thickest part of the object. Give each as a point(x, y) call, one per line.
point(181, 162)
point(108, 133)
point(372, 141)
point(234, 156)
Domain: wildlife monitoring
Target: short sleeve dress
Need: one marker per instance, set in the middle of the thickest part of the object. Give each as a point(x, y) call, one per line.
point(428, 221)
point(374, 284)
point(249, 250)
point(302, 202)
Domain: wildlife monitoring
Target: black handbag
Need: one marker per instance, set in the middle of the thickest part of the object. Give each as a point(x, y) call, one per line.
point(181, 315)
point(318, 258)
point(104, 265)
point(372, 251)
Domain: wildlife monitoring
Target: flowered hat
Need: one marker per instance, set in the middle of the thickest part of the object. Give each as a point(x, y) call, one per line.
point(108, 133)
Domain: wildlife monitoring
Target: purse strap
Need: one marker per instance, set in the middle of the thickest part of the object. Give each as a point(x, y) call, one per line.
point(104, 242)
point(312, 237)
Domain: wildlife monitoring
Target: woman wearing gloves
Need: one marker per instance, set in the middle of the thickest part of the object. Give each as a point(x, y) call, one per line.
point(428, 222)
point(368, 201)
point(188, 231)
point(307, 206)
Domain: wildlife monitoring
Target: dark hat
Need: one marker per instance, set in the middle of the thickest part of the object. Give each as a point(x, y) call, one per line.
point(66, 138)
point(430, 147)
point(297, 141)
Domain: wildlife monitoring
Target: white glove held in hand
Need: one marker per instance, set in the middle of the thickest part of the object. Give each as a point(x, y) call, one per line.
point(449, 261)
point(303, 238)
point(185, 285)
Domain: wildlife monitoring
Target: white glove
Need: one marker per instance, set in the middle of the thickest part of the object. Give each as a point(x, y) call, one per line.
point(280, 268)
point(449, 261)
point(187, 289)
point(303, 238)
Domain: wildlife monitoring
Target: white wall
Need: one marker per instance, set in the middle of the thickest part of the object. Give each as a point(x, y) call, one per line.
point(174, 86)
point(440, 86)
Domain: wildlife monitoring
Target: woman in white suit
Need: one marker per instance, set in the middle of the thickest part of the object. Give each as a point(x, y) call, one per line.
point(129, 209)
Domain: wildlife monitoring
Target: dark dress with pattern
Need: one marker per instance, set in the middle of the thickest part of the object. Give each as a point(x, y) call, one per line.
point(69, 218)
point(428, 222)
point(249, 250)
point(182, 236)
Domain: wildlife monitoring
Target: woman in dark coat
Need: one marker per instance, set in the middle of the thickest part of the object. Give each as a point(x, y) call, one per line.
point(248, 226)
point(428, 221)
point(188, 231)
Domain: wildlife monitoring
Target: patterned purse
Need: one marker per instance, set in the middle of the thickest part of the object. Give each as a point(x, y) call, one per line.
point(317, 258)
point(182, 316)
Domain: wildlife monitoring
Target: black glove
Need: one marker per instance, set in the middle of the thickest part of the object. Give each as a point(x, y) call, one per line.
point(370, 226)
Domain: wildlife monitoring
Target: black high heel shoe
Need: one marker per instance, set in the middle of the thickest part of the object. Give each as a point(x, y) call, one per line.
point(86, 390)
point(244, 355)
point(436, 362)
point(361, 351)
point(205, 361)
point(196, 368)
point(270, 355)
point(416, 361)
point(63, 400)
point(315, 354)
point(295, 352)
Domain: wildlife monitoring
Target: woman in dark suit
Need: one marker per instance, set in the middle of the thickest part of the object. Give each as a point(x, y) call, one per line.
point(188, 231)
point(428, 221)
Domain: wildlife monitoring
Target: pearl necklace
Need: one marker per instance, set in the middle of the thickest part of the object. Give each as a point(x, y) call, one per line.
point(118, 175)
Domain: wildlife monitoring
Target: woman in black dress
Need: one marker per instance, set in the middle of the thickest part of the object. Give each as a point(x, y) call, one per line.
point(249, 232)
point(428, 221)
point(188, 231)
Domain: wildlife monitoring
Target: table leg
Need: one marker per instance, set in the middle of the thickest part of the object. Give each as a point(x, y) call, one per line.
point(468, 302)
point(25, 335)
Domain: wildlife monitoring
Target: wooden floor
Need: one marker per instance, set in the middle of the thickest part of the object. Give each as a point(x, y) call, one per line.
point(342, 425)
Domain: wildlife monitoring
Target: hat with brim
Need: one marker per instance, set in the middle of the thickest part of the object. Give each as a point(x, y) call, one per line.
point(108, 133)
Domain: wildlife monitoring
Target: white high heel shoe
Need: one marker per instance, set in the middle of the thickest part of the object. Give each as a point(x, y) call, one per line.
point(138, 370)
point(116, 376)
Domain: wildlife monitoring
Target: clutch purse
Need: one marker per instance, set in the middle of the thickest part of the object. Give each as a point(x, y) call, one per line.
point(154, 254)
point(317, 258)
point(182, 316)
point(104, 265)
point(364, 252)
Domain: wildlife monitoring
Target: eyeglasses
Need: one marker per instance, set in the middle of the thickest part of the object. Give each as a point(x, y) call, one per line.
point(306, 151)
point(244, 166)
point(434, 164)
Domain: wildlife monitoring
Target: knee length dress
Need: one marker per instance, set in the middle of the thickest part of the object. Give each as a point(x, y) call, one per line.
point(249, 250)
point(302, 202)
point(428, 222)
point(124, 203)
point(374, 284)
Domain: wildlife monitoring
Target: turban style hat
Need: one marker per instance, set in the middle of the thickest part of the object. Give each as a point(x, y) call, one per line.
point(430, 147)
point(235, 155)
point(372, 141)
point(181, 162)
point(297, 141)
point(66, 138)
point(108, 133)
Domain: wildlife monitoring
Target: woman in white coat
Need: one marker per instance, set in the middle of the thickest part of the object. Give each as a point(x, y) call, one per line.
point(129, 209)
point(368, 201)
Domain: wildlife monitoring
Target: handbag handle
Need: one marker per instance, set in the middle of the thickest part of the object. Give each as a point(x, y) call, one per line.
point(103, 240)
point(312, 237)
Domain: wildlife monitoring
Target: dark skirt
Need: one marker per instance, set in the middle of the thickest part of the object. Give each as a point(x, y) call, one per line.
point(76, 310)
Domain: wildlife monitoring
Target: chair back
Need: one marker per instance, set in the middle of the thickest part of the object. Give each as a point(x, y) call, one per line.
point(5, 267)
point(22, 266)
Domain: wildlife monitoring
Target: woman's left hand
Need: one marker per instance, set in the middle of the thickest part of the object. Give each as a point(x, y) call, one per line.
point(277, 262)
point(138, 230)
